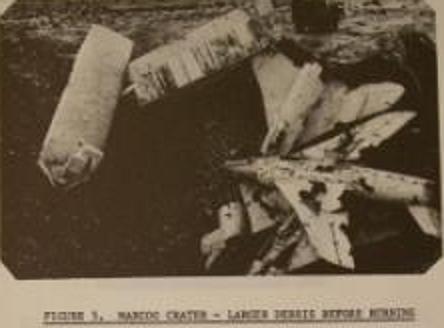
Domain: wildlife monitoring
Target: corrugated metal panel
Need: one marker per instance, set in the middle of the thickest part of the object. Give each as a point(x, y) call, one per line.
point(218, 44)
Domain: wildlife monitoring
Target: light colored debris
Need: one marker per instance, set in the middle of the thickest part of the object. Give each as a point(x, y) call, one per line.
point(338, 104)
point(282, 83)
point(74, 144)
point(349, 145)
point(428, 219)
point(212, 242)
point(339, 240)
point(232, 223)
point(324, 229)
point(323, 117)
point(275, 74)
point(380, 97)
point(369, 99)
point(277, 203)
point(314, 182)
point(295, 176)
point(304, 254)
point(288, 235)
point(370, 183)
point(212, 246)
point(330, 200)
point(216, 45)
point(259, 218)
point(387, 186)
point(232, 220)
point(352, 105)
point(5, 5)
point(264, 7)
point(265, 169)
point(303, 95)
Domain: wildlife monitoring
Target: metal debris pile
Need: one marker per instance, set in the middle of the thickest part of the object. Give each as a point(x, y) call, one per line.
point(310, 158)
point(297, 185)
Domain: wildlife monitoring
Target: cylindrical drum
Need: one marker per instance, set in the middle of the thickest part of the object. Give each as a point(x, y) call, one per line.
point(75, 142)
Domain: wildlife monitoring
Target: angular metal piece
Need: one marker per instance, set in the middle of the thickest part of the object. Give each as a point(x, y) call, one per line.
point(323, 118)
point(349, 144)
point(289, 125)
point(324, 229)
point(294, 177)
point(232, 223)
point(258, 217)
point(76, 139)
point(369, 99)
point(367, 182)
point(428, 219)
point(381, 97)
point(275, 74)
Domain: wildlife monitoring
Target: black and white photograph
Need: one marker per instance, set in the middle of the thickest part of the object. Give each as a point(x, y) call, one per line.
point(216, 138)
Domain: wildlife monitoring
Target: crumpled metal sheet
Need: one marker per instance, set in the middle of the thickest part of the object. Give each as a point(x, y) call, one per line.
point(275, 74)
point(350, 145)
point(289, 124)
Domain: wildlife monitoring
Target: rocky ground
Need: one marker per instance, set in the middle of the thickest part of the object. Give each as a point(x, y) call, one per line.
point(159, 188)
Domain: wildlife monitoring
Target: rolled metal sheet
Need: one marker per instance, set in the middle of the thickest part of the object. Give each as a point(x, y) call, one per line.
point(75, 142)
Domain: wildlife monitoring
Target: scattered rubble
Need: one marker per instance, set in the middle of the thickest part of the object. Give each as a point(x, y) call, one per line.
point(300, 106)
point(315, 189)
point(289, 123)
point(318, 128)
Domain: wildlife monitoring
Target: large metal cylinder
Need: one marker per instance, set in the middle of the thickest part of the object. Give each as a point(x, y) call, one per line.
point(76, 139)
